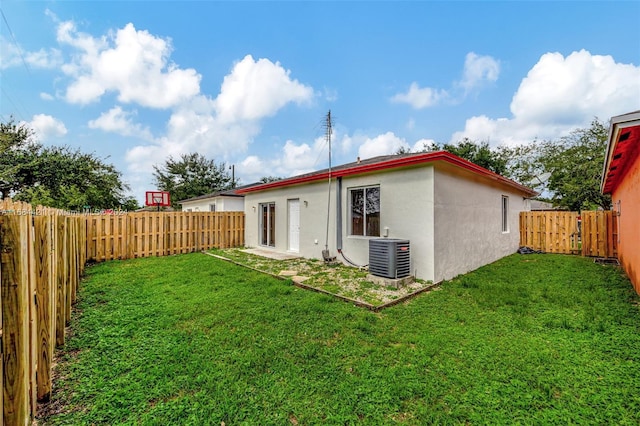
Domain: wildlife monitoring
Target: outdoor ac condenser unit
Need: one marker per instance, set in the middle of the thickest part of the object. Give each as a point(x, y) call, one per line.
point(389, 258)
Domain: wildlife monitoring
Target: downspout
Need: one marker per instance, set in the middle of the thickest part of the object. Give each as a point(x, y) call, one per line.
point(339, 214)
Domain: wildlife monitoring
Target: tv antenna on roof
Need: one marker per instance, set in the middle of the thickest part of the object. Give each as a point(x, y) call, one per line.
point(328, 130)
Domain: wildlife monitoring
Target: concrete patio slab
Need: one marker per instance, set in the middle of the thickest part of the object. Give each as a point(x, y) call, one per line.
point(270, 254)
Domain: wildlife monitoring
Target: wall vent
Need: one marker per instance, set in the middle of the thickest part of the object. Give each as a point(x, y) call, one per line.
point(389, 258)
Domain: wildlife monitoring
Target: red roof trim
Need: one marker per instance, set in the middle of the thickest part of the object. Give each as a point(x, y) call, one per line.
point(621, 151)
point(403, 161)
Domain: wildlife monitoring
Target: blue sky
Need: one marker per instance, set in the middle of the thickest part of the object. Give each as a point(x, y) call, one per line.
point(249, 83)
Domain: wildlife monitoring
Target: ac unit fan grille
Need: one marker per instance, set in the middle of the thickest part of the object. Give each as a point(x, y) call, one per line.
point(389, 258)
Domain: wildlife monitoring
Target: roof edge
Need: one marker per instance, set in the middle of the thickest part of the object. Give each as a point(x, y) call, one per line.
point(616, 123)
point(403, 161)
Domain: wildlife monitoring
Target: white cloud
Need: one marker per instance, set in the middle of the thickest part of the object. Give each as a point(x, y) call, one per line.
point(134, 64)
point(346, 143)
point(385, 144)
point(419, 97)
point(190, 130)
point(568, 89)
point(254, 168)
point(422, 144)
point(478, 69)
point(12, 55)
point(117, 120)
point(330, 95)
point(46, 96)
point(258, 89)
point(558, 95)
point(296, 156)
point(46, 126)
point(293, 159)
point(224, 127)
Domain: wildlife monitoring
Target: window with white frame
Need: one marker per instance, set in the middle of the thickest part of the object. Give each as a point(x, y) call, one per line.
point(212, 207)
point(364, 211)
point(505, 213)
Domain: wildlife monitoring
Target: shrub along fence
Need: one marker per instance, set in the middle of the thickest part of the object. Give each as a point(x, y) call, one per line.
point(589, 233)
point(42, 256)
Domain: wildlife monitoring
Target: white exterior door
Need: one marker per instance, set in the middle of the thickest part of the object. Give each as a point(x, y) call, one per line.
point(294, 225)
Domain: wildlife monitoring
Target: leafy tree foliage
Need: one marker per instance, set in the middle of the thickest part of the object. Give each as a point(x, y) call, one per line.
point(190, 176)
point(567, 171)
point(18, 153)
point(268, 179)
point(57, 176)
point(478, 153)
point(574, 168)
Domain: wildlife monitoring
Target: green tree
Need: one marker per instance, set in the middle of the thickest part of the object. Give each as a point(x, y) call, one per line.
point(566, 171)
point(57, 176)
point(574, 168)
point(18, 152)
point(190, 176)
point(477, 153)
point(480, 154)
point(268, 179)
point(70, 179)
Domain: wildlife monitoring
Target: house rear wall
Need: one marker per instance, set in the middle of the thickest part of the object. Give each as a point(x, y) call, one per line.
point(313, 217)
point(452, 218)
point(406, 210)
point(223, 204)
point(468, 222)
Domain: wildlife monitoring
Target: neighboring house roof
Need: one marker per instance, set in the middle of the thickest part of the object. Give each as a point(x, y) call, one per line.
point(225, 193)
point(385, 163)
point(542, 205)
point(623, 148)
point(155, 208)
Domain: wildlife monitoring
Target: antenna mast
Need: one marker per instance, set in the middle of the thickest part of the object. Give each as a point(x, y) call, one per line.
point(328, 130)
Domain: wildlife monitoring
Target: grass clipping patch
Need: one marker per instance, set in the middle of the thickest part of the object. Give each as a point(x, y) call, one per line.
point(337, 279)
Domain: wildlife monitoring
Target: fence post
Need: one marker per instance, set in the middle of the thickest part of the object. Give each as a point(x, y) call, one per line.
point(43, 304)
point(15, 318)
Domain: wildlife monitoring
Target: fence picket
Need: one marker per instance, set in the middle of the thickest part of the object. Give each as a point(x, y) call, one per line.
point(44, 305)
point(15, 318)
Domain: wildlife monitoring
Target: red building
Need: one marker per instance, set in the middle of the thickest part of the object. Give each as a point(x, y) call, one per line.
point(621, 179)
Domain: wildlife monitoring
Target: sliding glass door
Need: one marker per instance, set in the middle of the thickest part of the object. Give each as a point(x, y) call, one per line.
point(268, 224)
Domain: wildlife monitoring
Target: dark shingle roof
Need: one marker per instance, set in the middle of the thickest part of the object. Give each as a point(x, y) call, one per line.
point(223, 193)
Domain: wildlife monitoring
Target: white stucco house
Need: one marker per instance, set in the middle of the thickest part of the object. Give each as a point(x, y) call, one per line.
point(457, 216)
point(222, 201)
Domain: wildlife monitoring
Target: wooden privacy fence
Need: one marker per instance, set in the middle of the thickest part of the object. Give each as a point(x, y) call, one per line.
point(589, 233)
point(42, 256)
point(125, 236)
point(41, 260)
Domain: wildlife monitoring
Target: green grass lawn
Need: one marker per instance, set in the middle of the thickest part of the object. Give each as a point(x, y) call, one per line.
point(190, 339)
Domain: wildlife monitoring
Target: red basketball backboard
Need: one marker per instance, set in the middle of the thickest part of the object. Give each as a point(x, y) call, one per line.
point(157, 198)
